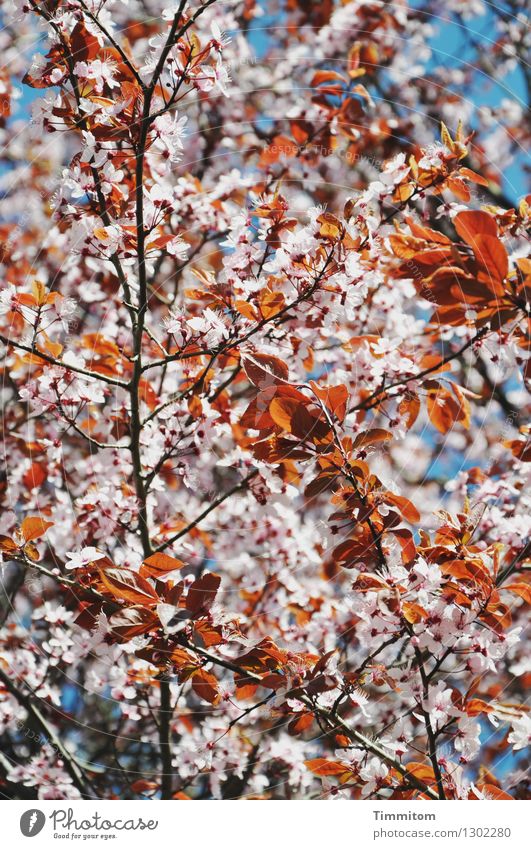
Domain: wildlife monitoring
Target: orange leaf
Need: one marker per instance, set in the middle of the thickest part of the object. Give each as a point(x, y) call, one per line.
point(35, 476)
point(128, 586)
point(271, 303)
point(31, 551)
point(144, 786)
point(494, 792)
point(476, 706)
point(464, 418)
point(371, 437)
point(147, 393)
point(7, 545)
point(195, 407)
point(326, 77)
point(246, 310)
point(369, 583)
point(443, 409)
point(406, 542)
point(459, 188)
point(282, 411)
point(208, 635)
point(423, 232)
point(335, 398)
point(409, 407)
point(470, 223)
point(520, 589)
point(301, 723)
point(434, 256)
point(257, 416)
point(159, 564)
point(331, 226)
point(473, 177)
point(521, 448)
point(205, 685)
point(182, 659)
point(413, 613)
point(406, 507)
point(421, 771)
point(245, 691)
point(491, 254)
point(321, 766)
point(33, 527)
point(404, 192)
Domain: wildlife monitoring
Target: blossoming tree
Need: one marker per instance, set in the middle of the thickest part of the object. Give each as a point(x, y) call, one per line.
point(264, 317)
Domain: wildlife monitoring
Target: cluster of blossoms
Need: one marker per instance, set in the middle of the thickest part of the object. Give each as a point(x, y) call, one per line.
point(265, 329)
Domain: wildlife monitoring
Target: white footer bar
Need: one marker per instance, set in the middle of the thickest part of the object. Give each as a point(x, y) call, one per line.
point(275, 825)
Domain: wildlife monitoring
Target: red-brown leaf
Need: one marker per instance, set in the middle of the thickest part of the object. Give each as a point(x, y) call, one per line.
point(131, 622)
point(202, 593)
point(264, 369)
